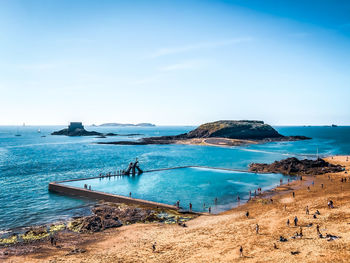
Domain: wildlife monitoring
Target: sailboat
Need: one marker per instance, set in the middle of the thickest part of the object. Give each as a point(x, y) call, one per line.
point(17, 134)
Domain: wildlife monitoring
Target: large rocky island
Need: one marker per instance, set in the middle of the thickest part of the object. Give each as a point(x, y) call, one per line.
point(222, 133)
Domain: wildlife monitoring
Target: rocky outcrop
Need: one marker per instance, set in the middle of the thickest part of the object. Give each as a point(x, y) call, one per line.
point(294, 166)
point(77, 132)
point(245, 129)
point(127, 215)
point(107, 216)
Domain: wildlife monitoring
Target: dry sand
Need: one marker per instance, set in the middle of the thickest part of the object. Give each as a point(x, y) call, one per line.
point(216, 238)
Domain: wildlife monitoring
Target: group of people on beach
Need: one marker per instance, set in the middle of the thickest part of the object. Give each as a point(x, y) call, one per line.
point(299, 234)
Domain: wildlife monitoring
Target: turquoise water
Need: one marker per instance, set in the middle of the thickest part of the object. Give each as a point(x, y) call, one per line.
point(200, 186)
point(29, 162)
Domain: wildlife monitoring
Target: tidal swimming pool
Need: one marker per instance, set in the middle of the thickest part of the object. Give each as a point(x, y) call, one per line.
point(199, 186)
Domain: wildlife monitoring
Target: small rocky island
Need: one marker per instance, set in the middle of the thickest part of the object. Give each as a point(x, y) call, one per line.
point(77, 129)
point(294, 166)
point(222, 133)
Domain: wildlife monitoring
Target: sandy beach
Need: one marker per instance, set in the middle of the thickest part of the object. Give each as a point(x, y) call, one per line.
point(217, 238)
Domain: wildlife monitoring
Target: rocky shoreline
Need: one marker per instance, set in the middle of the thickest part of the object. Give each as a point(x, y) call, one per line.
point(103, 216)
point(294, 166)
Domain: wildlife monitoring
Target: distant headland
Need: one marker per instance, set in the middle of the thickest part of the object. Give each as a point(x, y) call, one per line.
point(220, 133)
point(112, 124)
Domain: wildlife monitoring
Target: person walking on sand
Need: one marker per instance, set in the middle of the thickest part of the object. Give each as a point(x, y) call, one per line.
point(295, 221)
point(241, 251)
point(301, 232)
point(154, 247)
point(130, 194)
point(53, 240)
point(293, 195)
point(209, 209)
point(257, 229)
point(288, 222)
point(318, 230)
point(330, 204)
point(247, 214)
point(307, 210)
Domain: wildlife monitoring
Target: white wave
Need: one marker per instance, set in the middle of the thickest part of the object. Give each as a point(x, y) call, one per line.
point(241, 183)
point(47, 143)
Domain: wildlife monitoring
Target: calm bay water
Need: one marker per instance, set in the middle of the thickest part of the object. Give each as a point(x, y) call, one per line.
point(29, 162)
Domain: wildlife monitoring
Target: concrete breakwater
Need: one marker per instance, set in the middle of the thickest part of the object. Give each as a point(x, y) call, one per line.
point(75, 191)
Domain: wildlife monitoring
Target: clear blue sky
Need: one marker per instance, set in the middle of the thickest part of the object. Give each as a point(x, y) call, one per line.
point(174, 62)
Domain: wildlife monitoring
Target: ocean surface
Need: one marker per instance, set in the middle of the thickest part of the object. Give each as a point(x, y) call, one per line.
point(30, 161)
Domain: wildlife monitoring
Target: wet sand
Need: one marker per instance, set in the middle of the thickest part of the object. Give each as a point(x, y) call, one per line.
point(216, 142)
point(216, 238)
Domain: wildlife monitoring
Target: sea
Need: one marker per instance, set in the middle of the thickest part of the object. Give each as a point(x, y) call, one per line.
point(30, 161)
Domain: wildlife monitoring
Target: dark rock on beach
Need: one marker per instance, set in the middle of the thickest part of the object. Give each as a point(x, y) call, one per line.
point(127, 215)
point(294, 166)
point(107, 216)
